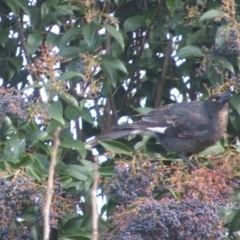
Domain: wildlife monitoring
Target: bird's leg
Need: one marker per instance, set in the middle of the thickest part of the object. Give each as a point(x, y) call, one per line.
point(186, 160)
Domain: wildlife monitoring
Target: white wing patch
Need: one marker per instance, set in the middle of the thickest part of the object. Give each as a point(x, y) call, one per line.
point(157, 129)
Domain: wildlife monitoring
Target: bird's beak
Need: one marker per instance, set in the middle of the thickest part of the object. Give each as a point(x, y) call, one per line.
point(224, 97)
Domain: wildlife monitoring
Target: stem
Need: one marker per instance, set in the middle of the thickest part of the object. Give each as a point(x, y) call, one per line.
point(50, 185)
point(94, 203)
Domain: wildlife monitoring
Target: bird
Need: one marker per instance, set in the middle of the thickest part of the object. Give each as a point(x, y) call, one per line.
point(180, 127)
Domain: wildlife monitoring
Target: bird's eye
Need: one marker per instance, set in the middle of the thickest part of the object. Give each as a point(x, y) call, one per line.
point(214, 99)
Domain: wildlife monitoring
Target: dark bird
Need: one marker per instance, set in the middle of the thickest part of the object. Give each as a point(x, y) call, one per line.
point(181, 127)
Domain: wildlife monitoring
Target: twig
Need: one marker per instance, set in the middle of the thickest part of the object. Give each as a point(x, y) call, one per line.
point(94, 203)
point(161, 83)
point(25, 50)
point(50, 186)
point(99, 116)
point(131, 75)
point(23, 43)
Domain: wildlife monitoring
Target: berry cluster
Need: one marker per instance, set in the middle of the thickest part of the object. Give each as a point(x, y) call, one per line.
point(194, 216)
point(127, 184)
point(232, 42)
point(12, 102)
point(24, 108)
point(22, 195)
point(190, 218)
point(15, 197)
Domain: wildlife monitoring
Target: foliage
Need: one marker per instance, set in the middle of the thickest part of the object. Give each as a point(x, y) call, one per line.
point(83, 65)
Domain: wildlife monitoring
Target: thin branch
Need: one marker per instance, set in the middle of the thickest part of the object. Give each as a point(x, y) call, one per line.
point(113, 107)
point(50, 186)
point(23, 42)
point(99, 116)
point(110, 98)
point(25, 50)
point(107, 117)
point(131, 74)
point(94, 203)
point(161, 82)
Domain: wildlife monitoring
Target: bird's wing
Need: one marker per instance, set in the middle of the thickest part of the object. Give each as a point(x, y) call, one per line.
point(184, 120)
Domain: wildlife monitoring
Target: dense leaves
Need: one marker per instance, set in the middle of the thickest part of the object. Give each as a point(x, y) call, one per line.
point(84, 66)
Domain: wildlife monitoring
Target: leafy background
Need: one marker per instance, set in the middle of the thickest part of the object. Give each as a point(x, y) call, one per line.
point(82, 66)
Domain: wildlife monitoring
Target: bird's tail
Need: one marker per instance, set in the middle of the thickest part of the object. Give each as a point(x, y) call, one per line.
point(113, 135)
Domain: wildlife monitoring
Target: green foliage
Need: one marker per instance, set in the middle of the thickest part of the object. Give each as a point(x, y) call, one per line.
point(106, 66)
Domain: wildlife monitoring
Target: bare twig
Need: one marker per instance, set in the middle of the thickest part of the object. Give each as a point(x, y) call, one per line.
point(99, 116)
point(25, 50)
point(161, 83)
point(23, 43)
point(94, 203)
point(131, 74)
point(50, 186)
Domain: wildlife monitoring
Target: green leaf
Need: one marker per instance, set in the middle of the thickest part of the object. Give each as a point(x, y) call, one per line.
point(3, 36)
point(71, 143)
point(110, 61)
point(88, 31)
point(88, 164)
point(24, 5)
point(220, 35)
point(133, 23)
point(226, 214)
point(211, 14)
point(216, 148)
point(70, 52)
point(73, 222)
point(12, 5)
point(58, 105)
point(235, 224)
point(87, 221)
point(83, 234)
point(68, 36)
point(235, 102)
point(53, 39)
point(190, 51)
point(76, 171)
point(171, 5)
point(15, 4)
point(17, 145)
point(16, 62)
point(75, 144)
point(42, 160)
point(72, 112)
point(106, 171)
point(33, 42)
point(34, 85)
point(86, 115)
point(194, 37)
point(116, 147)
point(227, 65)
point(112, 75)
point(69, 99)
point(35, 173)
point(55, 114)
point(116, 34)
point(70, 74)
point(26, 161)
point(36, 135)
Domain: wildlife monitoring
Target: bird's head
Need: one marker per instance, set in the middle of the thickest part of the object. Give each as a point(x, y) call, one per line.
point(217, 102)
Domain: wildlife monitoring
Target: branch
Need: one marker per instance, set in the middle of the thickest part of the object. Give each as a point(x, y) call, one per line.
point(23, 43)
point(131, 75)
point(161, 82)
point(50, 186)
point(99, 116)
point(28, 59)
point(94, 203)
